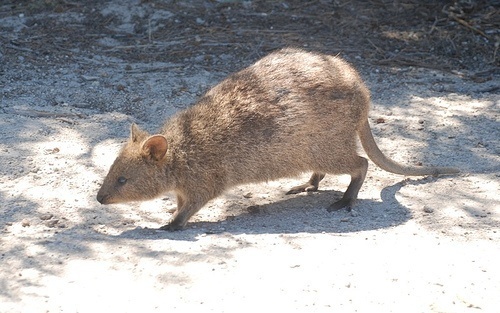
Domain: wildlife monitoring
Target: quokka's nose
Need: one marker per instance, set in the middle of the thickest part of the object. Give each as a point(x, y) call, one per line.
point(101, 198)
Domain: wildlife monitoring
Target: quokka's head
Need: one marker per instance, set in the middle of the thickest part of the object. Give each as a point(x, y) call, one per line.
point(139, 172)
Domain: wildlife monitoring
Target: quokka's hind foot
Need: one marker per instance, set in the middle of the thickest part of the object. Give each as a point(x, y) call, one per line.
point(302, 188)
point(311, 185)
point(358, 175)
point(171, 227)
point(341, 204)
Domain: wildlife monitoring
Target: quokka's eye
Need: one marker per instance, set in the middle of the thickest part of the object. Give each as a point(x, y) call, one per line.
point(122, 180)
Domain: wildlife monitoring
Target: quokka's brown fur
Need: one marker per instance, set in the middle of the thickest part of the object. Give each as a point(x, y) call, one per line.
point(289, 113)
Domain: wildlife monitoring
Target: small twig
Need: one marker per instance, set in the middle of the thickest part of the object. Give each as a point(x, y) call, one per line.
point(434, 25)
point(75, 4)
point(497, 45)
point(149, 45)
point(489, 89)
point(276, 31)
point(410, 62)
point(36, 113)
point(379, 50)
point(469, 26)
point(153, 69)
point(150, 36)
point(18, 48)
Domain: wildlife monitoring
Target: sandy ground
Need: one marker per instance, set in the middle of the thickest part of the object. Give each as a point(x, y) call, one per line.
point(410, 245)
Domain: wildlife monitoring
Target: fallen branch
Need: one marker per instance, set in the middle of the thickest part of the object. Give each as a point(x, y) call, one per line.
point(469, 26)
point(399, 61)
point(36, 113)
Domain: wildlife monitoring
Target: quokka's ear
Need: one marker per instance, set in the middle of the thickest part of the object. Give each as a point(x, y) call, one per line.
point(136, 133)
point(155, 147)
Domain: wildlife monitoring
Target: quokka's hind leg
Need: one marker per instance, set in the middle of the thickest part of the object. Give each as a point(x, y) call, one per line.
point(358, 174)
point(311, 185)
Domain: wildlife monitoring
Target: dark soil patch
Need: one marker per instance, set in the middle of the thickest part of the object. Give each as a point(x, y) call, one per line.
point(460, 36)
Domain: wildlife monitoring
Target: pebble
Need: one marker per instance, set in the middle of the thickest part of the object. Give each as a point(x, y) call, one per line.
point(438, 88)
point(253, 209)
point(52, 223)
point(428, 209)
point(90, 78)
point(46, 216)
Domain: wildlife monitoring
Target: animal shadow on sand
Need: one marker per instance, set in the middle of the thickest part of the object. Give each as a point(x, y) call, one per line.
point(304, 213)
